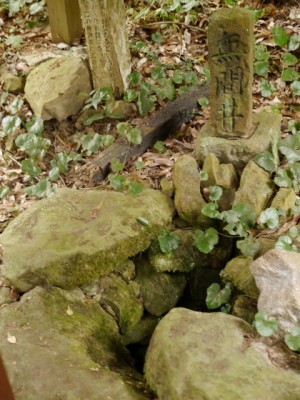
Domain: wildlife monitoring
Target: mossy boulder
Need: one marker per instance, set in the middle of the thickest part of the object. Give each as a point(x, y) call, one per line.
point(160, 291)
point(122, 299)
point(244, 307)
point(209, 356)
point(256, 188)
point(13, 83)
point(57, 346)
point(188, 199)
point(142, 331)
point(237, 273)
point(223, 175)
point(77, 237)
point(285, 199)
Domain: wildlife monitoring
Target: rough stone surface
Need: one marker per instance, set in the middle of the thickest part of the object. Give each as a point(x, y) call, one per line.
point(256, 187)
point(285, 199)
point(237, 273)
point(182, 259)
point(64, 79)
point(230, 54)
point(77, 237)
point(167, 186)
point(277, 276)
point(141, 331)
point(13, 83)
point(267, 131)
point(244, 307)
point(223, 175)
point(160, 291)
point(56, 346)
point(119, 109)
point(188, 199)
point(122, 299)
point(198, 356)
point(265, 244)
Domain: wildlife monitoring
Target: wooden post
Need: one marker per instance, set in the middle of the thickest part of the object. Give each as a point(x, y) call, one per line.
point(104, 22)
point(65, 21)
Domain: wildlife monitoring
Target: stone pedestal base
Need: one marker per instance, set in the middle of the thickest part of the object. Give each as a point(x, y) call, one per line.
point(266, 134)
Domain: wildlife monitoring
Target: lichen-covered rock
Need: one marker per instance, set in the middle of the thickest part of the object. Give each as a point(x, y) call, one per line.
point(167, 186)
point(77, 237)
point(223, 175)
point(285, 199)
point(142, 331)
point(209, 356)
point(244, 307)
point(256, 188)
point(66, 86)
point(119, 109)
point(13, 83)
point(56, 346)
point(122, 299)
point(277, 276)
point(160, 291)
point(182, 259)
point(267, 132)
point(188, 199)
point(237, 273)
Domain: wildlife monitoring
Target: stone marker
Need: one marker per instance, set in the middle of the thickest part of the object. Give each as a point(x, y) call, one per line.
point(108, 49)
point(230, 51)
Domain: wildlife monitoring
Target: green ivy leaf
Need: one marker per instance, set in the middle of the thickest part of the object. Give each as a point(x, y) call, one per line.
point(266, 88)
point(239, 219)
point(165, 90)
point(134, 188)
point(280, 37)
point(178, 77)
point(266, 161)
point(160, 146)
point(289, 59)
point(93, 118)
point(36, 7)
point(294, 43)
point(134, 136)
point(168, 241)
point(211, 210)
point(139, 165)
point(293, 232)
point(289, 75)
point(91, 143)
point(156, 37)
point(290, 147)
point(206, 72)
point(42, 189)
point(10, 124)
point(261, 68)
point(158, 73)
point(285, 242)
point(269, 217)
point(294, 126)
point(215, 192)
point(30, 168)
point(35, 126)
point(282, 178)
point(4, 191)
point(144, 103)
point(295, 86)
point(203, 102)
point(293, 340)
point(249, 247)
point(14, 41)
point(265, 325)
point(117, 166)
point(117, 181)
point(15, 106)
point(261, 53)
point(134, 78)
point(34, 146)
point(54, 174)
point(130, 95)
point(191, 78)
point(206, 241)
point(216, 296)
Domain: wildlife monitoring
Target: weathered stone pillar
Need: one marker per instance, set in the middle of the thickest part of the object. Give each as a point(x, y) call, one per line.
point(106, 36)
point(230, 51)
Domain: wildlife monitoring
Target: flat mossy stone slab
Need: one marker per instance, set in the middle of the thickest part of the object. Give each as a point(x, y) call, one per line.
point(77, 237)
point(55, 345)
point(266, 134)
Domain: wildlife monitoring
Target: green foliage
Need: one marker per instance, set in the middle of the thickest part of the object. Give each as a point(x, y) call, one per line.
point(168, 241)
point(289, 75)
point(10, 124)
point(33, 145)
point(269, 217)
point(99, 96)
point(117, 166)
point(215, 192)
point(30, 168)
point(216, 296)
point(43, 188)
point(133, 135)
point(4, 191)
point(130, 95)
point(145, 102)
point(293, 339)
point(261, 64)
point(157, 37)
point(91, 143)
point(206, 241)
point(266, 160)
point(265, 325)
point(281, 38)
point(160, 146)
point(203, 102)
point(14, 41)
point(211, 210)
point(165, 89)
point(117, 182)
point(239, 219)
point(266, 88)
point(94, 118)
point(203, 175)
point(249, 246)
point(139, 165)
point(295, 86)
point(285, 242)
point(294, 43)
point(289, 59)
